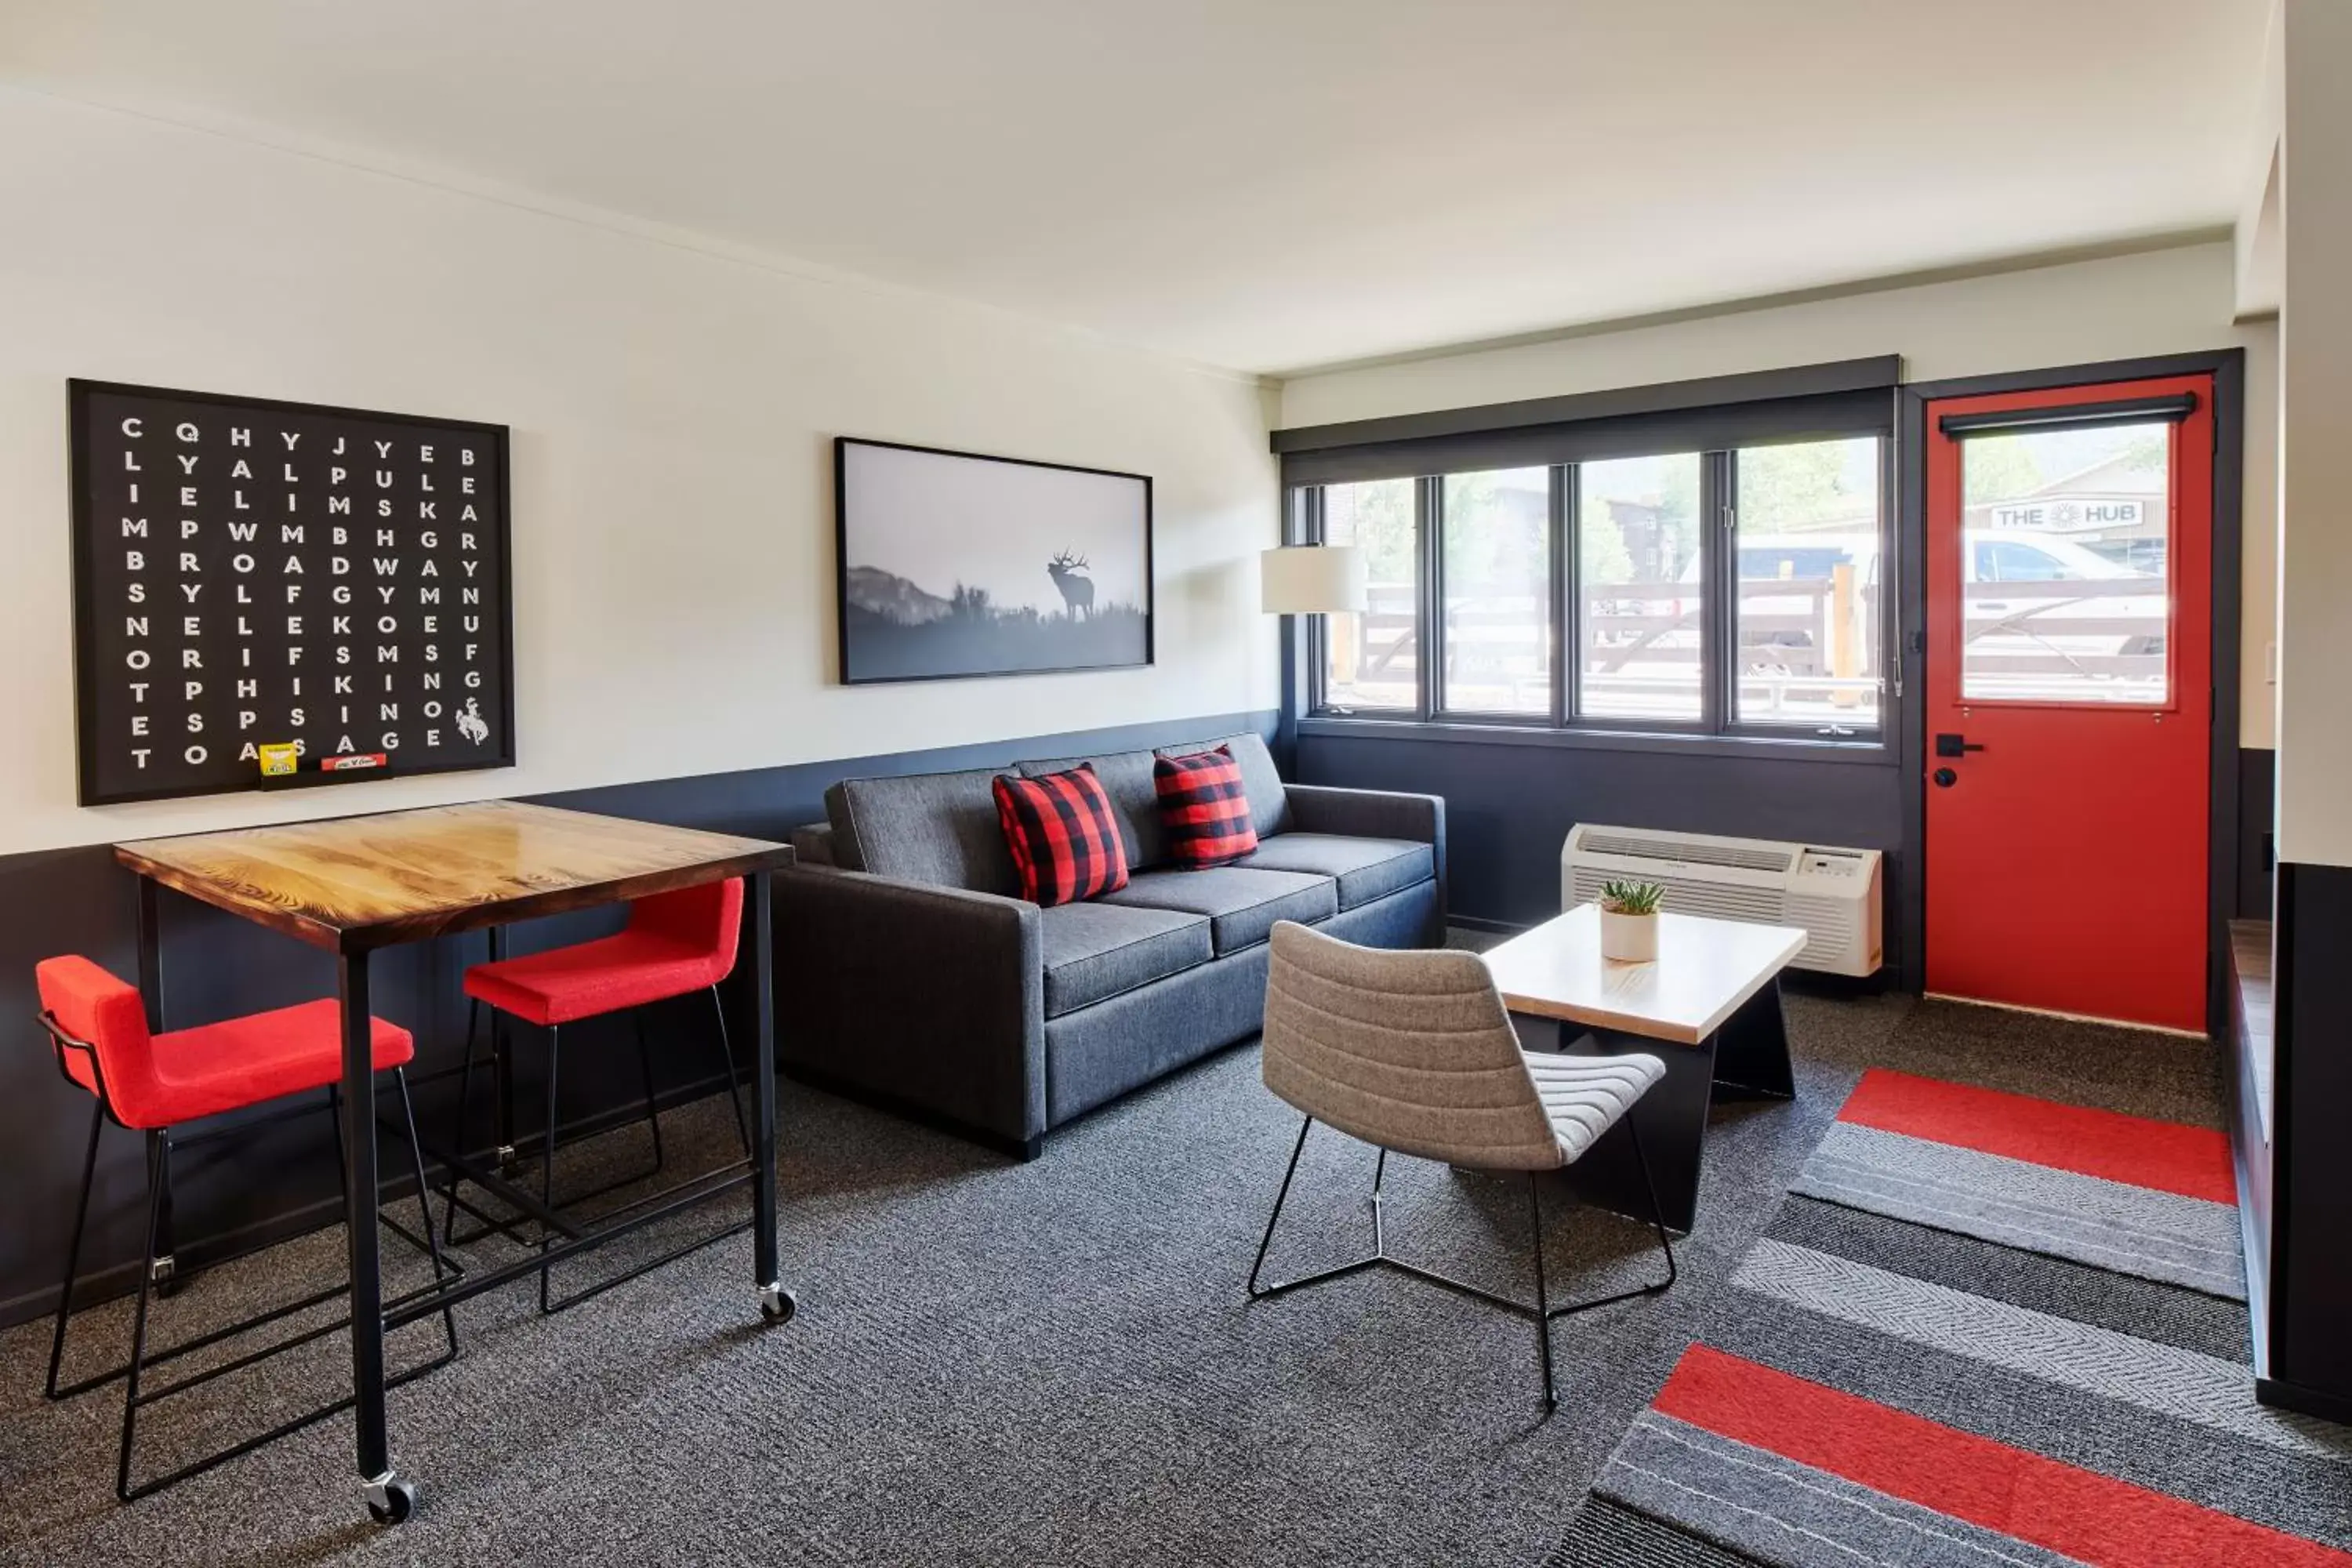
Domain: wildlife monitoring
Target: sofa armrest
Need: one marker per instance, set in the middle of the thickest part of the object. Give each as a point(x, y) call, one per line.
point(929, 997)
point(1372, 814)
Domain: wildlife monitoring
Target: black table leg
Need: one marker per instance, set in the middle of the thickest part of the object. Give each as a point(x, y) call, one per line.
point(1672, 1120)
point(1747, 1059)
point(776, 1303)
point(389, 1496)
point(1752, 1059)
point(150, 991)
point(502, 1080)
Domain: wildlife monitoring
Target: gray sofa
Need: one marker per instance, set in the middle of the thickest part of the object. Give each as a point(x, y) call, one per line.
point(912, 974)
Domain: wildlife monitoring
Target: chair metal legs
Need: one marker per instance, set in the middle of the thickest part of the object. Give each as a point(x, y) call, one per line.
point(547, 1162)
point(734, 1083)
point(516, 1227)
point(73, 1258)
point(137, 1395)
point(1543, 1311)
point(1543, 1300)
point(549, 1139)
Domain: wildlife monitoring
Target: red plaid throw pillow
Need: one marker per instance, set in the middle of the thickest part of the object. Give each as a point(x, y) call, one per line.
point(1064, 840)
point(1203, 808)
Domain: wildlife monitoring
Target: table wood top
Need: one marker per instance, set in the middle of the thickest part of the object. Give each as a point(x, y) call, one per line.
point(1705, 969)
point(354, 883)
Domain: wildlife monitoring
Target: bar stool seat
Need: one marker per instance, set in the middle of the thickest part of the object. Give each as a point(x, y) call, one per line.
point(589, 979)
point(237, 1062)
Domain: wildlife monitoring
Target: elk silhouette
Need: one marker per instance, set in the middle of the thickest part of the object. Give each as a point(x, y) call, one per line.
point(1077, 593)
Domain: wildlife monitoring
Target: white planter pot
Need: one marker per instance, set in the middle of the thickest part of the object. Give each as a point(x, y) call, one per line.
point(1629, 939)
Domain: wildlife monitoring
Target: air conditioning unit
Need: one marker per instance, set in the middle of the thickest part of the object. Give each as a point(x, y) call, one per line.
point(1831, 894)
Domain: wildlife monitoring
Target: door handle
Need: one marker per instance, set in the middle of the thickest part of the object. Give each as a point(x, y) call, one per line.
point(1956, 745)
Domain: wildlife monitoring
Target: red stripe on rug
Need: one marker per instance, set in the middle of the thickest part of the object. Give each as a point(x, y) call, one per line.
point(2078, 1513)
point(2193, 1162)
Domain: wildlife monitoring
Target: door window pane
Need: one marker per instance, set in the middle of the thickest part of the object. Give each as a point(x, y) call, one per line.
point(1809, 533)
point(1641, 575)
point(2066, 581)
point(1373, 660)
point(1497, 550)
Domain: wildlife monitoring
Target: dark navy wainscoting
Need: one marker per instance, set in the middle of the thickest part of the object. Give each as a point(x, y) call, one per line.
point(1510, 802)
point(235, 1193)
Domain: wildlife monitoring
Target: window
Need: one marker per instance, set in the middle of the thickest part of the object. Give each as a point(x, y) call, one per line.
point(1642, 589)
point(1374, 660)
point(1652, 572)
point(2065, 589)
point(1497, 566)
point(1808, 530)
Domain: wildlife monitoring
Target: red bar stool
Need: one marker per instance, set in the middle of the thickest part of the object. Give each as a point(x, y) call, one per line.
point(158, 1085)
point(675, 945)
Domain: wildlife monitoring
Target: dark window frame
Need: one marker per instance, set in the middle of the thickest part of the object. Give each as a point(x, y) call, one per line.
point(1718, 728)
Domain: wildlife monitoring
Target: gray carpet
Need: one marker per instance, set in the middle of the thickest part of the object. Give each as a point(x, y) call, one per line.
point(1020, 1364)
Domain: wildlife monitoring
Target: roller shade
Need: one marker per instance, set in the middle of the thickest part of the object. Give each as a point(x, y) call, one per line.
point(2069, 416)
point(1853, 397)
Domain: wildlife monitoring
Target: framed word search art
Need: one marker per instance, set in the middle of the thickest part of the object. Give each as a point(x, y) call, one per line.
point(283, 594)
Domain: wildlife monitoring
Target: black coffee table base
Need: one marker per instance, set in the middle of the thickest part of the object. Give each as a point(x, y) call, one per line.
point(1747, 1059)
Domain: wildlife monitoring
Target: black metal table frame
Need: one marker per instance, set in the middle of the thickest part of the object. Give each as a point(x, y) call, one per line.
point(1746, 1059)
point(390, 1496)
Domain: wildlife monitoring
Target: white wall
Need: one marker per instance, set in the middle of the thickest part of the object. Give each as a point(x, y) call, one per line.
point(2166, 301)
point(2315, 584)
point(672, 413)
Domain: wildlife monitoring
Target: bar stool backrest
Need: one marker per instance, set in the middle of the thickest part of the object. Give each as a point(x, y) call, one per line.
point(91, 1005)
point(1410, 1050)
point(708, 918)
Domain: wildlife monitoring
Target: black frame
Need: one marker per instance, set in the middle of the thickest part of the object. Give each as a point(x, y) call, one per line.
point(841, 445)
point(77, 395)
point(1718, 632)
point(2228, 369)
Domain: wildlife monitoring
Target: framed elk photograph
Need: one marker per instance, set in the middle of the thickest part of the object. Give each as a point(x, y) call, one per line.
point(957, 564)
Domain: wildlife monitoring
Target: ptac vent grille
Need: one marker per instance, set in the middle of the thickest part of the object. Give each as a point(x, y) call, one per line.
point(1745, 857)
point(1687, 896)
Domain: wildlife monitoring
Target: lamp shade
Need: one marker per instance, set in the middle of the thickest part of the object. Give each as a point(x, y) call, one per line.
point(1311, 579)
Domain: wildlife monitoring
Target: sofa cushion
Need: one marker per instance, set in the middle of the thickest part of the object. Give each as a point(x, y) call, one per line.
point(1095, 951)
point(1241, 903)
point(1269, 802)
point(813, 844)
point(1126, 778)
point(1365, 869)
point(940, 828)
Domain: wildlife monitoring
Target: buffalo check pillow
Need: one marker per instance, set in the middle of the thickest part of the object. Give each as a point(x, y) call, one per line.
point(1203, 809)
point(1063, 838)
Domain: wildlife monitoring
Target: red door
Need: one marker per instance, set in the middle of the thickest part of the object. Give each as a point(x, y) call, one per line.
point(2069, 698)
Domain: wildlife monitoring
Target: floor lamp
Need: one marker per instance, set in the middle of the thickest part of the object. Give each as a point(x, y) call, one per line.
point(1306, 580)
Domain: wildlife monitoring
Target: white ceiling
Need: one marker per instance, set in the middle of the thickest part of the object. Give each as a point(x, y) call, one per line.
point(1264, 184)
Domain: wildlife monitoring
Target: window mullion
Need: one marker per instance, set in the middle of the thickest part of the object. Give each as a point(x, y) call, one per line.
point(1429, 510)
point(1562, 588)
point(1719, 639)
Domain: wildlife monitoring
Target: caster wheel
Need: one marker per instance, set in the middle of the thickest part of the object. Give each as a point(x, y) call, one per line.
point(777, 1304)
point(391, 1500)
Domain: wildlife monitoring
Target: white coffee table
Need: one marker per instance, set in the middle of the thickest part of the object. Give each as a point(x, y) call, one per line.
point(1709, 1006)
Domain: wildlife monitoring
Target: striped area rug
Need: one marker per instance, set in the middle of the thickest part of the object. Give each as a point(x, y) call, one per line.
point(2150, 1198)
point(1875, 1390)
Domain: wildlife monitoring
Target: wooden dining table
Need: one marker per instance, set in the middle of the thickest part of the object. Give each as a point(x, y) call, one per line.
point(354, 886)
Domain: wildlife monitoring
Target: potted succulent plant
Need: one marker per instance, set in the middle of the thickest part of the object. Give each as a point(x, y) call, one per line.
point(1629, 921)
